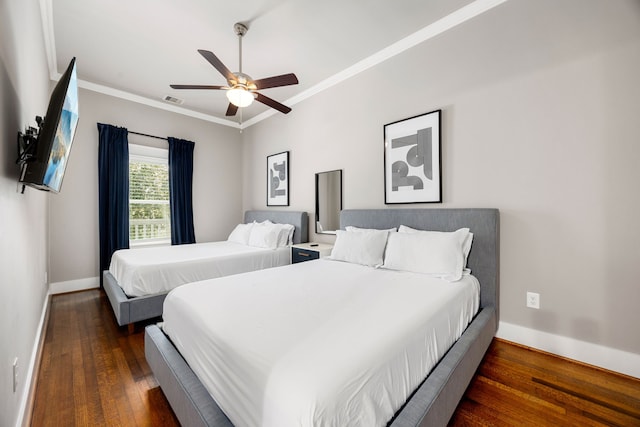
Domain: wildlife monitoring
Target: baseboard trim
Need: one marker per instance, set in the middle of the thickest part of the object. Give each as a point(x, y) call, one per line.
point(74, 285)
point(25, 409)
point(592, 354)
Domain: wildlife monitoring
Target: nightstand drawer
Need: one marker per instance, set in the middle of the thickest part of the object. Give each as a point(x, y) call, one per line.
point(301, 255)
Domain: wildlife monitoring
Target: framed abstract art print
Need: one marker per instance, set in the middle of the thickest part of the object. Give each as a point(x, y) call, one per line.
point(412, 161)
point(278, 179)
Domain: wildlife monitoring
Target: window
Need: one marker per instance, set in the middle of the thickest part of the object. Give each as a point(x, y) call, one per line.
point(149, 213)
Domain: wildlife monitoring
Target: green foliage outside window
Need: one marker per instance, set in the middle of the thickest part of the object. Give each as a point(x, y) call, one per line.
point(149, 214)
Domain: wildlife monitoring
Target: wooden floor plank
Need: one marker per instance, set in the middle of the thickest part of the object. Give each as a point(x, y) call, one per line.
point(541, 385)
point(551, 391)
point(574, 390)
point(93, 373)
point(556, 365)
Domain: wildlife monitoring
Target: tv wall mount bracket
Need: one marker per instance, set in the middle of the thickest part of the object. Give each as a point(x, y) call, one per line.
point(27, 144)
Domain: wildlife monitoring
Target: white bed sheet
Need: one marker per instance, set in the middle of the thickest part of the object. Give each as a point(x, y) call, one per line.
point(317, 343)
point(148, 271)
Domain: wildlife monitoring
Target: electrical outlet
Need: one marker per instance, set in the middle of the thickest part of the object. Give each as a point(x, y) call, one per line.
point(533, 300)
point(15, 374)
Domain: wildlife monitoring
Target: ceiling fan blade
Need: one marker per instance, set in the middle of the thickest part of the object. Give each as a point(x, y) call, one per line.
point(198, 87)
point(272, 103)
point(217, 64)
point(231, 110)
point(276, 81)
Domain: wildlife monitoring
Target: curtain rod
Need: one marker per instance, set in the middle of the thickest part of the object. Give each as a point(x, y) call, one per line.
point(146, 134)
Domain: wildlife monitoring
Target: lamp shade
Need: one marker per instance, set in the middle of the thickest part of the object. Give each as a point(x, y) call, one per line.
point(240, 97)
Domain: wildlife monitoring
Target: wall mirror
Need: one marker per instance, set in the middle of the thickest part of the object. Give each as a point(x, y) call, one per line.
point(328, 201)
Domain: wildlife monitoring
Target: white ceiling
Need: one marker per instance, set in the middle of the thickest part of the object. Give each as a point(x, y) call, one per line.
point(135, 48)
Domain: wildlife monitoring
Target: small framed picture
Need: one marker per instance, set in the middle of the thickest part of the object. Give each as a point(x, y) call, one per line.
point(412, 161)
point(278, 179)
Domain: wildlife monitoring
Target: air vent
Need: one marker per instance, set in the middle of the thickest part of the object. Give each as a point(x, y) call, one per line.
point(173, 100)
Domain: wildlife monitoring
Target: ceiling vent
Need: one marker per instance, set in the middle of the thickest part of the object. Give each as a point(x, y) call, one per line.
point(173, 100)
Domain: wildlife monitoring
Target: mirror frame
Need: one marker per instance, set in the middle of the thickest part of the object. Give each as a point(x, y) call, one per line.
point(317, 216)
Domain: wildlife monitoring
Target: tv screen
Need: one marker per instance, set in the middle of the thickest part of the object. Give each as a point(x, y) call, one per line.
point(46, 170)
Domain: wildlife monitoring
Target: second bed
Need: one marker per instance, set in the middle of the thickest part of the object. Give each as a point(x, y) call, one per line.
point(138, 280)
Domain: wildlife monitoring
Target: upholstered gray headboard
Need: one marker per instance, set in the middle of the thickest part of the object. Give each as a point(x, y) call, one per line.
point(299, 219)
point(484, 258)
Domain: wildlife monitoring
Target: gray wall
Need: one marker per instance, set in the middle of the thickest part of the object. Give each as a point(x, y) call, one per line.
point(217, 200)
point(540, 105)
point(24, 90)
point(540, 102)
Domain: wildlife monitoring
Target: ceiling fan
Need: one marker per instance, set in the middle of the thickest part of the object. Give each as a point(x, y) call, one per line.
point(242, 89)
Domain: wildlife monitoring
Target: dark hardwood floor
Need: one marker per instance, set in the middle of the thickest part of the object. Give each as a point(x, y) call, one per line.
point(517, 386)
point(94, 373)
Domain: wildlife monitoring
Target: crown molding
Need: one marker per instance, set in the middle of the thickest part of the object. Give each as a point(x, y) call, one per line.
point(46, 15)
point(430, 31)
point(438, 27)
point(154, 103)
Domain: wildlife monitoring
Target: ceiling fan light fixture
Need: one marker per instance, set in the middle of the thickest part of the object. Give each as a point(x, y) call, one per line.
point(240, 97)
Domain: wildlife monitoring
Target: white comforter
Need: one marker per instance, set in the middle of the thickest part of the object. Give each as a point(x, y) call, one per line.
point(321, 343)
point(147, 271)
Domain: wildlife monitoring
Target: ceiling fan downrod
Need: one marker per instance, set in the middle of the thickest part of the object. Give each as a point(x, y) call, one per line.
point(240, 30)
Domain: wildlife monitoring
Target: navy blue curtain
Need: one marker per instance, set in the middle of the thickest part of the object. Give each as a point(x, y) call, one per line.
point(113, 183)
point(180, 190)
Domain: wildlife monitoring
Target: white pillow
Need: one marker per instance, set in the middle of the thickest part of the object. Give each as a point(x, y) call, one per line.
point(291, 233)
point(270, 235)
point(352, 228)
point(466, 246)
point(285, 234)
point(241, 234)
point(434, 253)
point(264, 236)
point(365, 248)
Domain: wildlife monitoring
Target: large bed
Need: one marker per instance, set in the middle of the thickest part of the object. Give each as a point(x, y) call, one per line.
point(151, 273)
point(412, 401)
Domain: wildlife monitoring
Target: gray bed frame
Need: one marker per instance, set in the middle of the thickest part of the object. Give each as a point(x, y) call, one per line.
point(435, 400)
point(134, 309)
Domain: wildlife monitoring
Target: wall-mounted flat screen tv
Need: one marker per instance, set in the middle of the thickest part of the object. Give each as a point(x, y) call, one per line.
point(46, 170)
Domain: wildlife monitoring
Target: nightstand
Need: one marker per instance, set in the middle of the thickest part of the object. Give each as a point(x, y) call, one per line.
point(306, 252)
